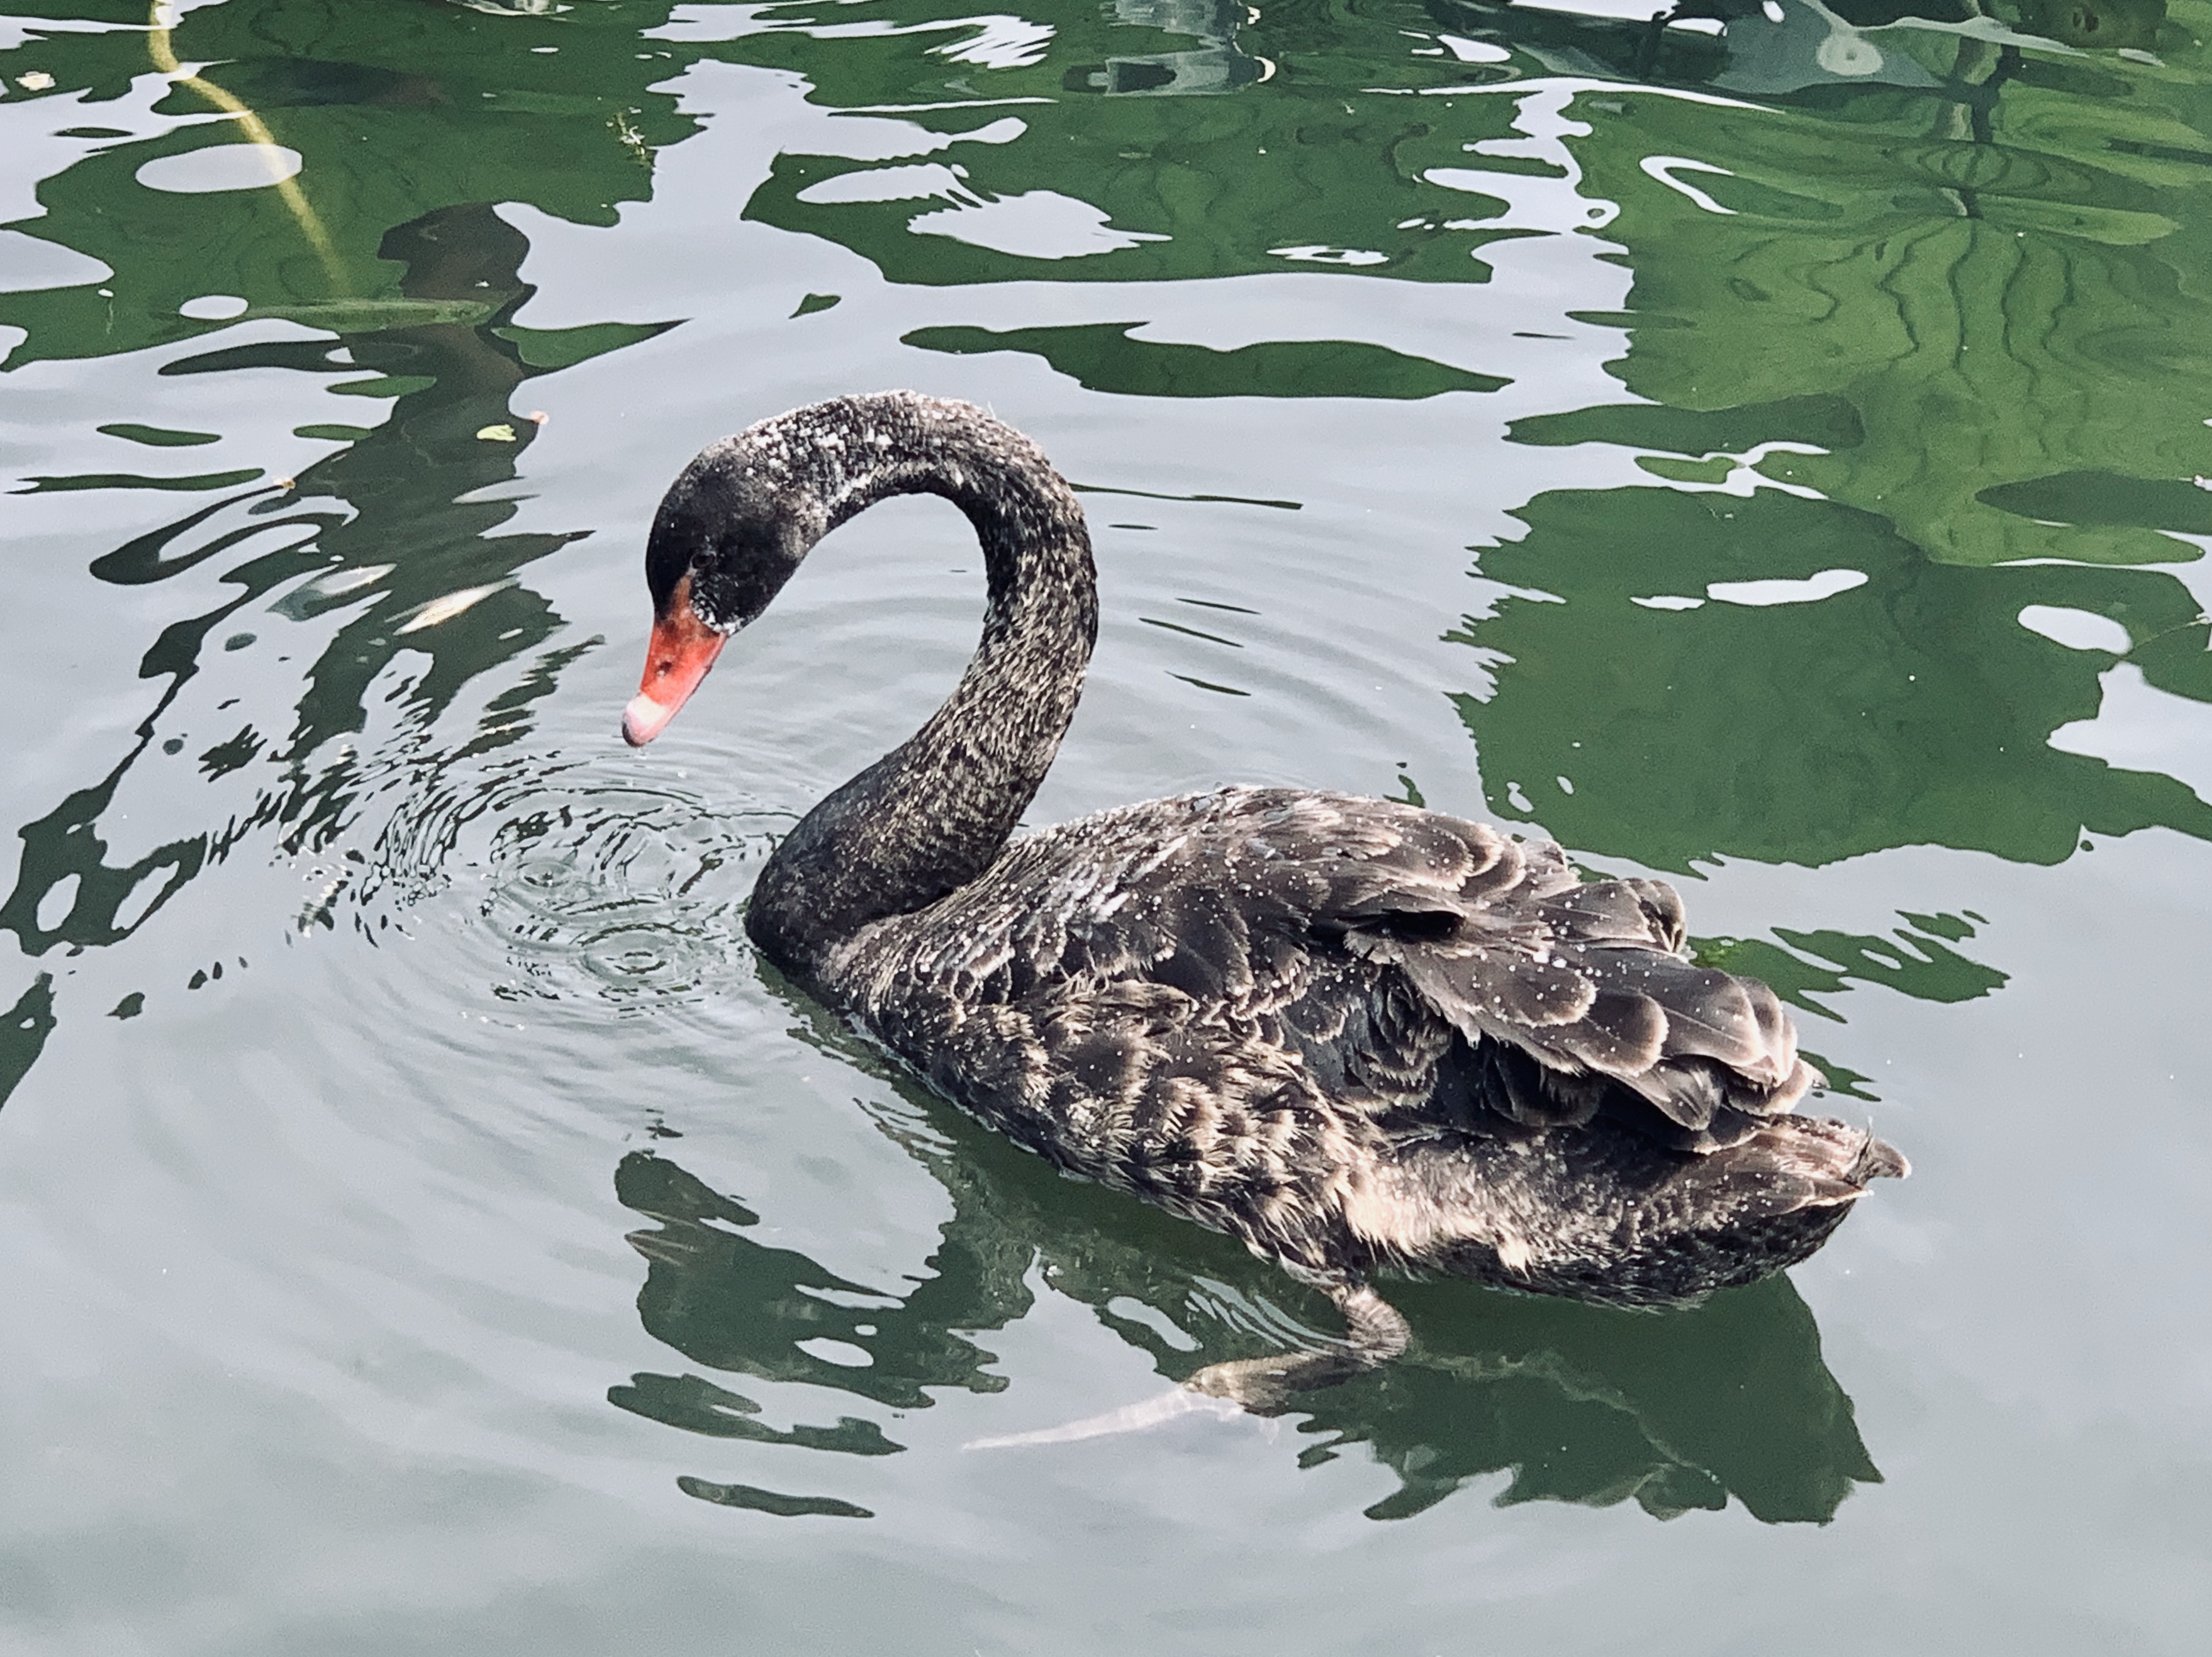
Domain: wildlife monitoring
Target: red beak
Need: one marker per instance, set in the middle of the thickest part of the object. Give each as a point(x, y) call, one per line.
point(676, 662)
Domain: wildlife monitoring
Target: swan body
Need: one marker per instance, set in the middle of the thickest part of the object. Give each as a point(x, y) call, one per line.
point(1357, 1035)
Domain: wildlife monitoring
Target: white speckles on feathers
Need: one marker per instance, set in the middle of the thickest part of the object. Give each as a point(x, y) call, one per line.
point(1241, 1004)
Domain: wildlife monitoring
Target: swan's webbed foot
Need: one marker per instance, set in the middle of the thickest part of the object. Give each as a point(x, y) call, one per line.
point(1262, 1386)
point(1265, 1385)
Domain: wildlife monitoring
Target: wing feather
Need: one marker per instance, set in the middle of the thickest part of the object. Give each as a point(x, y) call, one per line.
point(1505, 943)
point(1239, 900)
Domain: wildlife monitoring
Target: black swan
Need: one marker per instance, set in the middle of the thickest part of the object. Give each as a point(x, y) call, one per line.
point(1356, 1035)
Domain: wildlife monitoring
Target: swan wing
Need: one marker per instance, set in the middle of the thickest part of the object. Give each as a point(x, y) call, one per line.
point(1500, 939)
point(1266, 903)
point(1366, 935)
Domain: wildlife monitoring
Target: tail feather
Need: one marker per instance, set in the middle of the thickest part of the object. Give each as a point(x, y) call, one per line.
point(1600, 1214)
point(1589, 981)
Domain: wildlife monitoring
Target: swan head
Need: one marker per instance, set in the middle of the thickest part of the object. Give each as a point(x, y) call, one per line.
point(724, 540)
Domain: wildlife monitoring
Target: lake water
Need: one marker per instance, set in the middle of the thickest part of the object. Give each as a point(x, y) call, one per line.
point(1769, 450)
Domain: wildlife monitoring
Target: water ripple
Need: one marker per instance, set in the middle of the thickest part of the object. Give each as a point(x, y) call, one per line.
point(577, 883)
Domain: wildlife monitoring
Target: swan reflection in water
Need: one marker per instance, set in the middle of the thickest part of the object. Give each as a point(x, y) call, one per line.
point(1676, 1411)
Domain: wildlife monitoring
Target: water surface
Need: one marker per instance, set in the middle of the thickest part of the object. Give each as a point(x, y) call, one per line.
point(1768, 450)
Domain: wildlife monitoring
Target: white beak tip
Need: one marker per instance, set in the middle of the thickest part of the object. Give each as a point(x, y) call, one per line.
point(644, 719)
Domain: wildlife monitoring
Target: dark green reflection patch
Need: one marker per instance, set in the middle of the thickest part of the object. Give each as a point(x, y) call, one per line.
point(1827, 422)
point(761, 1501)
point(731, 1302)
point(384, 385)
point(1100, 356)
point(2150, 503)
point(1908, 960)
point(158, 437)
point(1676, 1411)
point(309, 355)
point(24, 1032)
point(134, 481)
point(1921, 968)
point(564, 348)
point(697, 1405)
point(1676, 470)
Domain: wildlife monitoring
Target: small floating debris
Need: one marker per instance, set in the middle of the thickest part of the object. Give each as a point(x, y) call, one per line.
point(502, 432)
point(452, 604)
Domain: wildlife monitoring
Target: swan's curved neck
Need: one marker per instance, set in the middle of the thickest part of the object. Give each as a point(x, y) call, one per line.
point(934, 813)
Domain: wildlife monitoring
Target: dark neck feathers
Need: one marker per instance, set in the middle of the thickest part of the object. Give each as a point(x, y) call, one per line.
point(934, 813)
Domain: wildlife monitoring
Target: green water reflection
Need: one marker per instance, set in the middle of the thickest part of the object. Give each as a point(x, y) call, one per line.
point(1101, 357)
point(396, 111)
point(381, 519)
point(1577, 1404)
